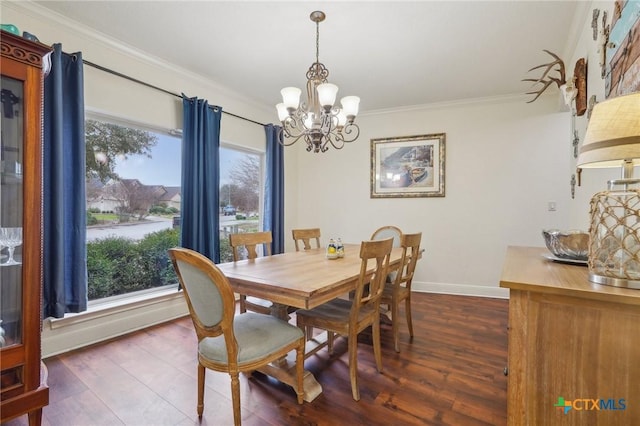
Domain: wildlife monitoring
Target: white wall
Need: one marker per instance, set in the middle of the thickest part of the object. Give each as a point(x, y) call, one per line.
point(505, 160)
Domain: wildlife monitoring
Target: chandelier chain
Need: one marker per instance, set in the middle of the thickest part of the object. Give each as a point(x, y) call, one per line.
point(317, 42)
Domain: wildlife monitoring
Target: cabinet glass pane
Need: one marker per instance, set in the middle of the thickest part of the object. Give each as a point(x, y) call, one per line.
point(11, 190)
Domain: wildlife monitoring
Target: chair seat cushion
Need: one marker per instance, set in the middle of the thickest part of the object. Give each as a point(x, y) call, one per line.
point(257, 335)
point(337, 310)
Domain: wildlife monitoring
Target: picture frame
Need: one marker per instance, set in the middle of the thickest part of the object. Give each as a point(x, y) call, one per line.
point(408, 166)
point(620, 73)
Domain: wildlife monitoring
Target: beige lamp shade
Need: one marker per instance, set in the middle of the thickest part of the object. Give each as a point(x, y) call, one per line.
point(613, 133)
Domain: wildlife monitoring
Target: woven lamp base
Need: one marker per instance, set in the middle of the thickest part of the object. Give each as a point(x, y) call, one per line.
point(614, 236)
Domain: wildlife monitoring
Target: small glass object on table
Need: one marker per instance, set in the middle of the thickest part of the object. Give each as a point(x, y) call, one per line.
point(332, 250)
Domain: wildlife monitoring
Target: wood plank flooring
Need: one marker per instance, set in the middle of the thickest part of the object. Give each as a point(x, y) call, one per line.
point(451, 374)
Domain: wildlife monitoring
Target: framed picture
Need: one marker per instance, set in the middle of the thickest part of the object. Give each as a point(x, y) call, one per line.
point(410, 166)
point(621, 76)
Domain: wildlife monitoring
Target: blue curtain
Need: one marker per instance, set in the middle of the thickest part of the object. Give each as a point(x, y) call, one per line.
point(274, 188)
point(200, 177)
point(64, 224)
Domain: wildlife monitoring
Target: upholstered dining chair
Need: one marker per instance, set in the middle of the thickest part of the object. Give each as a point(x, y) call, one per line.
point(250, 241)
point(400, 288)
point(350, 317)
point(386, 232)
point(228, 342)
point(305, 236)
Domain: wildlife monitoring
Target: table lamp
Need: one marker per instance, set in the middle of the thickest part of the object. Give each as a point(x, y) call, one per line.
point(613, 140)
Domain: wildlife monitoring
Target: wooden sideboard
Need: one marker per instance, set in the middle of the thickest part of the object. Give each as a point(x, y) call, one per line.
point(570, 339)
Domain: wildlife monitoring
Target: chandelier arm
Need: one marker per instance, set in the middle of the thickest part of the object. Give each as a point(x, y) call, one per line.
point(295, 138)
point(337, 140)
point(347, 131)
point(294, 124)
point(328, 124)
point(310, 144)
point(329, 140)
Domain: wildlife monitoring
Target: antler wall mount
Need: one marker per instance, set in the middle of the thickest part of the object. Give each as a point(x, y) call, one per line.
point(546, 79)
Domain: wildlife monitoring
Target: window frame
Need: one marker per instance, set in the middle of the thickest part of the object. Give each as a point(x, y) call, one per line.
point(150, 294)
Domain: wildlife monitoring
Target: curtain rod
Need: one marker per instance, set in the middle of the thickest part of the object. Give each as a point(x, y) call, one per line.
point(135, 80)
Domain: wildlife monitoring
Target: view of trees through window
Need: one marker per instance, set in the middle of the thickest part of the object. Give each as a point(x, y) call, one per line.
point(240, 195)
point(133, 205)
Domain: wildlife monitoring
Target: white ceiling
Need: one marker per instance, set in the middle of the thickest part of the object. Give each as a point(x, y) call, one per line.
point(390, 53)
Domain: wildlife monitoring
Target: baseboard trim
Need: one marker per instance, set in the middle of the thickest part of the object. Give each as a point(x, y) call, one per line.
point(461, 289)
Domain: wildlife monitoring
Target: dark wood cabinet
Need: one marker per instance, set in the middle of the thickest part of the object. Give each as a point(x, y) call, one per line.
point(23, 377)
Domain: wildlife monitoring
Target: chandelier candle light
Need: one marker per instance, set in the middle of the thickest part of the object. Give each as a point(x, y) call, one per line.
point(319, 121)
point(613, 140)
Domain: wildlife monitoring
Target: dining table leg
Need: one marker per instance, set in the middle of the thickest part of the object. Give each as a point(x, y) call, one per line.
point(279, 310)
point(284, 369)
point(286, 373)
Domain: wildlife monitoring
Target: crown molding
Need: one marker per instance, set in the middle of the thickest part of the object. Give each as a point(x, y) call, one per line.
point(83, 31)
point(458, 103)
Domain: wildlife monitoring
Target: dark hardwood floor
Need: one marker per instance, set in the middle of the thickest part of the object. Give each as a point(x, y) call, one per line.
point(451, 374)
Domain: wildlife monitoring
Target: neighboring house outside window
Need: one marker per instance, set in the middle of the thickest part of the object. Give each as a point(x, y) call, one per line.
point(171, 197)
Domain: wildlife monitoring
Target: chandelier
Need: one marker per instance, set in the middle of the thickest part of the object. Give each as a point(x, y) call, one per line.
point(319, 121)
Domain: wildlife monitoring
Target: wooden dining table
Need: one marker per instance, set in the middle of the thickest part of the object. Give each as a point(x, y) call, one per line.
point(301, 279)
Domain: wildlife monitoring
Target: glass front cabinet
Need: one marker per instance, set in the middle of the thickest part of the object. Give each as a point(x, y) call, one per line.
point(23, 381)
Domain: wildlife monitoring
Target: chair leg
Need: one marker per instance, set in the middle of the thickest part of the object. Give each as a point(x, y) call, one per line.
point(407, 309)
point(330, 337)
point(235, 397)
point(394, 325)
point(300, 372)
point(353, 365)
point(201, 378)
point(307, 330)
point(377, 352)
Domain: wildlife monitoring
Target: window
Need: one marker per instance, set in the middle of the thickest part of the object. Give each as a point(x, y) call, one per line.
point(132, 193)
point(133, 205)
point(240, 195)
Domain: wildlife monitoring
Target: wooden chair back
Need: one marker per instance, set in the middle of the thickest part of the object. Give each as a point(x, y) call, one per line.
point(250, 242)
point(350, 317)
point(386, 232)
point(399, 284)
point(305, 236)
point(410, 244)
point(375, 253)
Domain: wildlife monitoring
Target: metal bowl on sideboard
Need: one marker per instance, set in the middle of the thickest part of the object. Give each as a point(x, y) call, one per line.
point(567, 244)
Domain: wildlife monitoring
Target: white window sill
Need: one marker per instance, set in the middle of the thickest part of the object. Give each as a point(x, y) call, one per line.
point(115, 305)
